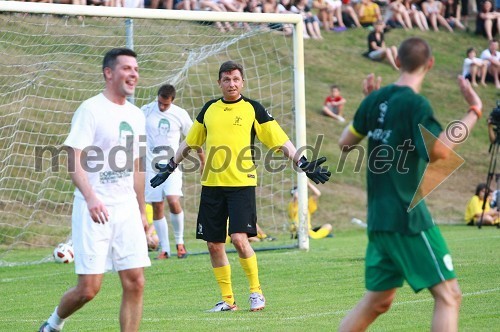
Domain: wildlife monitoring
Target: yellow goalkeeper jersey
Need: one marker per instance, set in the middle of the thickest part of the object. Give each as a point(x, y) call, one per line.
point(228, 130)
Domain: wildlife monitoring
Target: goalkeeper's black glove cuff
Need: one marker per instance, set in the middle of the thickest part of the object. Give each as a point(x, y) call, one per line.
point(301, 162)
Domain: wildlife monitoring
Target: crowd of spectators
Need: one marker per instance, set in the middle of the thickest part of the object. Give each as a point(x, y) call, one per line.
point(321, 16)
point(337, 16)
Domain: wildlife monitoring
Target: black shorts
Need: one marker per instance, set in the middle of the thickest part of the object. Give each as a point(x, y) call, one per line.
point(219, 203)
point(489, 78)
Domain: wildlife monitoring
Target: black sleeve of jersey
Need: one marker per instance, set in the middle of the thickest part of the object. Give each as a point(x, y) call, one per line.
point(261, 114)
point(201, 116)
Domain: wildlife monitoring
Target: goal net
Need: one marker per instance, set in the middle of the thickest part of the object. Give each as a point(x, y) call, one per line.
point(50, 61)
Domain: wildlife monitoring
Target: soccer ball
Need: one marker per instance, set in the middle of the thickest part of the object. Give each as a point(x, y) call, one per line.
point(63, 253)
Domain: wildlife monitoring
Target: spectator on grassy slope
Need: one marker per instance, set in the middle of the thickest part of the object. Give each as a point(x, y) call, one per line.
point(377, 49)
point(487, 20)
point(474, 68)
point(432, 10)
point(492, 55)
point(416, 14)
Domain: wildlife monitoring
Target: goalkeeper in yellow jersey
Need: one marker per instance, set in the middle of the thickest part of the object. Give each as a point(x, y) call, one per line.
point(319, 232)
point(228, 127)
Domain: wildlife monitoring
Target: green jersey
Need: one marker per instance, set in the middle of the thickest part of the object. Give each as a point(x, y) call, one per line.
point(397, 157)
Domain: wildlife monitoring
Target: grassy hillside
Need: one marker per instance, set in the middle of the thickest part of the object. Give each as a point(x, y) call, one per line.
point(338, 60)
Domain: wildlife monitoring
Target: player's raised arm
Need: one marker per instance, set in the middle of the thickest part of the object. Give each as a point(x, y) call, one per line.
point(443, 145)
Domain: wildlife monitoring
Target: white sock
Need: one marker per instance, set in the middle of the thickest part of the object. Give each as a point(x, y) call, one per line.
point(177, 221)
point(55, 321)
point(161, 228)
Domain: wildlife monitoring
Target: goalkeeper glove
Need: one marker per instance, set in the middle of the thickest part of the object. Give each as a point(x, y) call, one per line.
point(164, 172)
point(313, 169)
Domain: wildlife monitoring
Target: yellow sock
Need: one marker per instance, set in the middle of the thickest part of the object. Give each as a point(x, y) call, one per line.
point(223, 277)
point(252, 271)
point(319, 234)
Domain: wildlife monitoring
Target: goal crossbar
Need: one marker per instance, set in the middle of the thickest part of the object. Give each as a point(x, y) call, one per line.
point(104, 11)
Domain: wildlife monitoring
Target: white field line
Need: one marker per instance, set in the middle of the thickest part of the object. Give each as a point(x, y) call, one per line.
point(252, 317)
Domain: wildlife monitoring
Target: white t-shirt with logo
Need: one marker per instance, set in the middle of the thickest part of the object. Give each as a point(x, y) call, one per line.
point(164, 131)
point(113, 136)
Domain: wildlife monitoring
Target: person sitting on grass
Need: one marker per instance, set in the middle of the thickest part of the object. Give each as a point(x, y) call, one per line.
point(261, 236)
point(368, 13)
point(474, 209)
point(487, 20)
point(319, 232)
point(492, 56)
point(432, 10)
point(377, 50)
point(474, 68)
point(334, 104)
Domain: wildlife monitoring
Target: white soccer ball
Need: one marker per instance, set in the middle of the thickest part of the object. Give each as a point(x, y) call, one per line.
point(63, 253)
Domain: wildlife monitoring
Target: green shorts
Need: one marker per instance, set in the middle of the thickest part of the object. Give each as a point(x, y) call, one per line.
point(423, 260)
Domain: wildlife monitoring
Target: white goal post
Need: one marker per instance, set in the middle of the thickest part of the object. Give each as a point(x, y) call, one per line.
point(44, 76)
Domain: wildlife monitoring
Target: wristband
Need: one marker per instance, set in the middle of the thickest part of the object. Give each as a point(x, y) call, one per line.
point(477, 110)
point(301, 161)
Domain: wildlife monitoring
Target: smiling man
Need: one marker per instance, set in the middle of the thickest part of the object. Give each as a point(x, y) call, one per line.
point(108, 221)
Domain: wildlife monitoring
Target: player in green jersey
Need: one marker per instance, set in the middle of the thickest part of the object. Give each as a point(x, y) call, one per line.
point(403, 242)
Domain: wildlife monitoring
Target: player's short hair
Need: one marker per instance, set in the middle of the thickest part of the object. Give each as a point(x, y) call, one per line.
point(334, 86)
point(166, 91)
point(229, 66)
point(414, 53)
point(470, 49)
point(109, 60)
point(293, 190)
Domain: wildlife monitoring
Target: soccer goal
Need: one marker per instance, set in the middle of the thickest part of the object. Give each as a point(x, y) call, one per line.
point(50, 61)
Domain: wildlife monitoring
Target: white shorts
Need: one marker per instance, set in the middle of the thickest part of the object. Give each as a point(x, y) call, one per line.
point(171, 187)
point(377, 54)
point(119, 244)
point(334, 3)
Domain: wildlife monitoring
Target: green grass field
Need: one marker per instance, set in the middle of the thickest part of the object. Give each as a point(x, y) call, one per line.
point(304, 290)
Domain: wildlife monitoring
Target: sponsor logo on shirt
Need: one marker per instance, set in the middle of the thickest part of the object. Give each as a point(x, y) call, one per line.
point(112, 176)
point(380, 135)
point(448, 262)
point(237, 121)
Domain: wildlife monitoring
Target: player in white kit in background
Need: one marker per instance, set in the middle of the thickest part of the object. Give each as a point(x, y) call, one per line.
point(165, 123)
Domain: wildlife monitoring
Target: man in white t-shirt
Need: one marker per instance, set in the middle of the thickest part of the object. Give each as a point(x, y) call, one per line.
point(493, 56)
point(165, 123)
point(108, 221)
point(474, 68)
